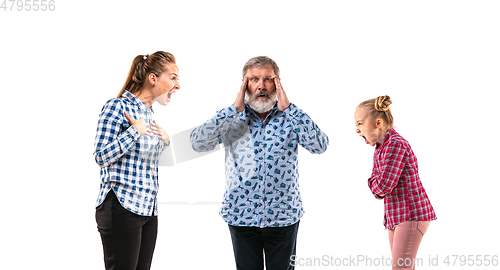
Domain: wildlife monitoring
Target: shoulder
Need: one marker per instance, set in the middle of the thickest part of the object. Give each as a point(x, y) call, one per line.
point(116, 104)
point(396, 142)
point(111, 103)
point(114, 108)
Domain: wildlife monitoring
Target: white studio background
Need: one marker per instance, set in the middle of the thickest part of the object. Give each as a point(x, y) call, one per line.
point(438, 60)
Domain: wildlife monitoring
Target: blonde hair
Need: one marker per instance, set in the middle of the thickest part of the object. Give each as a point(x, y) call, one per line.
point(379, 108)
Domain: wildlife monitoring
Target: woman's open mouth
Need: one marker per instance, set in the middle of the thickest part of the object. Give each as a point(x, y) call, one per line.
point(169, 95)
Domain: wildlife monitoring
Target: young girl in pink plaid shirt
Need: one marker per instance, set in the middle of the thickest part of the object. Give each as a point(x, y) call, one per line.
point(395, 179)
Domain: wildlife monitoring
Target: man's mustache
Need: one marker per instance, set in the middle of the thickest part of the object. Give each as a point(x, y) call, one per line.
point(261, 92)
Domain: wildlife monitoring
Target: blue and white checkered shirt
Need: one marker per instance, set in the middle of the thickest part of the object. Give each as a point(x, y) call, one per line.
point(128, 160)
point(262, 188)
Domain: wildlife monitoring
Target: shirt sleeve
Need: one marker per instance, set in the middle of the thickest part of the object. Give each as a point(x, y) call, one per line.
point(310, 136)
point(207, 136)
point(384, 180)
point(113, 140)
point(162, 146)
point(370, 181)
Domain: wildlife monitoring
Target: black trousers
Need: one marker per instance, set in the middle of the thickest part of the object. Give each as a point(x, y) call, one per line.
point(128, 239)
point(250, 244)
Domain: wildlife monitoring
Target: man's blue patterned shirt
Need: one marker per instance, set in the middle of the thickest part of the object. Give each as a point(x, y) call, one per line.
point(262, 188)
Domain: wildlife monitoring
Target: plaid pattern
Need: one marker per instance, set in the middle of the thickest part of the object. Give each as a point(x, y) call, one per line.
point(395, 173)
point(128, 161)
point(262, 188)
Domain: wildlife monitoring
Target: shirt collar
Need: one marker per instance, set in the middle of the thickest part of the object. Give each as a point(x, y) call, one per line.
point(386, 137)
point(136, 101)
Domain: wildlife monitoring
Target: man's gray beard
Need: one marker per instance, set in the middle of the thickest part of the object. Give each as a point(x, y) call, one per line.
point(261, 106)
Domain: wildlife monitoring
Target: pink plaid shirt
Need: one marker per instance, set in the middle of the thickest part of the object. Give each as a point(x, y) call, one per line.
point(395, 174)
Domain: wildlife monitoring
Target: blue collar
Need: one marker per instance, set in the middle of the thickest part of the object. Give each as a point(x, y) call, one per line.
point(136, 101)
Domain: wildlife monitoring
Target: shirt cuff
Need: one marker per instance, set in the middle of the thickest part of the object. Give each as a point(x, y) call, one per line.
point(133, 132)
point(292, 110)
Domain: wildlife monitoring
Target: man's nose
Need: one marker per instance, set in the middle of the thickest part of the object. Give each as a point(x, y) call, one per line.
point(260, 85)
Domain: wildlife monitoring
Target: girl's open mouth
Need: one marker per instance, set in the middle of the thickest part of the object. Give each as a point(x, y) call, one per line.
point(366, 141)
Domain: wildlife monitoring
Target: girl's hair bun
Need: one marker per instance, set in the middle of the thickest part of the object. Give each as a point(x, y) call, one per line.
point(382, 103)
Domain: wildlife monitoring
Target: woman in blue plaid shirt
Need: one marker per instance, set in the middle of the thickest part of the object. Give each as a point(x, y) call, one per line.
point(127, 146)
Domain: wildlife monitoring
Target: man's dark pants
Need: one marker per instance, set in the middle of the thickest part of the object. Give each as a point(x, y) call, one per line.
point(250, 244)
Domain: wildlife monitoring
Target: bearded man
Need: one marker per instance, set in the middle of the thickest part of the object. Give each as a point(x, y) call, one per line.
point(262, 204)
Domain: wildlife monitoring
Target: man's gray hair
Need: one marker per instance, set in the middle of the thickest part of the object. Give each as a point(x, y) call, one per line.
point(261, 62)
